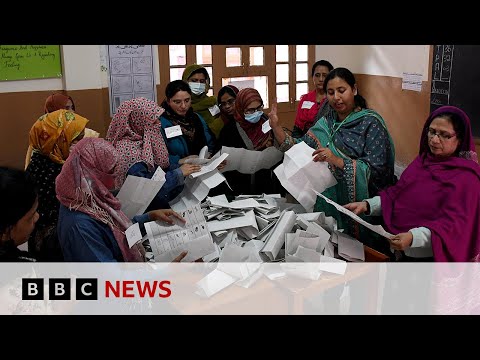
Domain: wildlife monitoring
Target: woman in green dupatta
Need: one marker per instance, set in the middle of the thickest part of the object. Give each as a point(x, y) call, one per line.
point(199, 81)
point(355, 143)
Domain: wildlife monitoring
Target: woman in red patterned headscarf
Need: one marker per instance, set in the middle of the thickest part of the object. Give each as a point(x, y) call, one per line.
point(135, 132)
point(246, 132)
point(249, 115)
point(91, 225)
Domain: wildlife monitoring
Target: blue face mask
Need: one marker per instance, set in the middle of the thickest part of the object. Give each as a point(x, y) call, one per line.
point(254, 118)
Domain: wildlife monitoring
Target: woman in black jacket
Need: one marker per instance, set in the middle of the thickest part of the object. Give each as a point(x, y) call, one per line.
point(18, 213)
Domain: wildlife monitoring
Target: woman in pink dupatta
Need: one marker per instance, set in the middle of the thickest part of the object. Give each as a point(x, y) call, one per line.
point(91, 224)
point(437, 199)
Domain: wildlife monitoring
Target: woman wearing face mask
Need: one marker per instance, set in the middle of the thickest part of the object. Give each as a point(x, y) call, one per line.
point(53, 103)
point(91, 226)
point(52, 137)
point(246, 132)
point(191, 133)
point(199, 81)
point(18, 213)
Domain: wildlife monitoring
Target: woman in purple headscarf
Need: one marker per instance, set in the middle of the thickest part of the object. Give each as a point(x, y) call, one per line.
point(435, 207)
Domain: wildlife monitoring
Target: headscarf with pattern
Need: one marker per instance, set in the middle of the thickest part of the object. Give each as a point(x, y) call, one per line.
point(135, 133)
point(53, 133)
point(56, 102)
point(84, 185)
point(254, 131)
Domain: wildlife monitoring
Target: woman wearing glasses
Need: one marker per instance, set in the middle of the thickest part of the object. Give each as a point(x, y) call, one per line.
point(244, 111)
point(354, 142)
point(434, 207)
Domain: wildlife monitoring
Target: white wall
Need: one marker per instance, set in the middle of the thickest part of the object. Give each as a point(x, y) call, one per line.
point(384, 60)
point(81, 70)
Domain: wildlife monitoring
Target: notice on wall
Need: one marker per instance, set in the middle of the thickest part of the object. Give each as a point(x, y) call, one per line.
point(412, 81)
point(131, 74)
point(22, 62)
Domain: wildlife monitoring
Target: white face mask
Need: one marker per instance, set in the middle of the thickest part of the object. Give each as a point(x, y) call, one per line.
point(197, 87)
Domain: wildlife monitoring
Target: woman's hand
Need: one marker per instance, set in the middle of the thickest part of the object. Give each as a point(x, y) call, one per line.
point(277, 129)
point(182, 161)
point(273, 118)
point(164, 215)
point(188, 169)
point(401, 241)
point(222, 165)
point(325, 154)
point(180, 257)
point(357, 208)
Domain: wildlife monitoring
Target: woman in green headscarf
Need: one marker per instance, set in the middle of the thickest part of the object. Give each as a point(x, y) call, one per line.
point(197, 77)
point(355, 143)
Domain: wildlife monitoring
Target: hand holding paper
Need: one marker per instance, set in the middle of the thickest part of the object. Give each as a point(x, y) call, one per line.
point(375, 228)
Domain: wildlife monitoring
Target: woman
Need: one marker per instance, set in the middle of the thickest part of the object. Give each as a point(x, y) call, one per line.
point(435, 206)
point(246, 132)
point(91, 225)
point(355, 143)
point(206, 106)
point(193, 132)
point(52, 137)
point(135, 133)
point(311, 103)
point(53, 103)
point(226, 103)
point(18, 213)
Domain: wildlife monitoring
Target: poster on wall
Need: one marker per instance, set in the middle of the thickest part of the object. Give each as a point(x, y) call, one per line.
point(131, 74)
point(23, 62)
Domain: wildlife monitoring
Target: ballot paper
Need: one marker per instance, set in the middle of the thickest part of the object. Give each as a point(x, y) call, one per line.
point(214, 282)
point(137, 193)
point(168, 241)
point(247, 221)
point(249, 161)
point(276, 238)
point(375, 228)
point(350, 248)
point(195, 190)
point(211, 165)
point(301, 238)
point(299, 174)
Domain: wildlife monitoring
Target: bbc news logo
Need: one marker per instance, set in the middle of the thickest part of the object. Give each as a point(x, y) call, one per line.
point(87, 289)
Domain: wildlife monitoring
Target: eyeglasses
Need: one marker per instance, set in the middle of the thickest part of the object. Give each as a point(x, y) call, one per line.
point(252, 110)
point(443, 136)
point(226, 103)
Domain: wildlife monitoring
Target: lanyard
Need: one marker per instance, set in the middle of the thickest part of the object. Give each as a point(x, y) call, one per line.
point(334, 130)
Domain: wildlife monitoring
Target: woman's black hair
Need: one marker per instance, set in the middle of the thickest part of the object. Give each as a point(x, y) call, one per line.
point(17, 194)
point(226, 89)
point(175, 86)
point(345, 74)
point(322, 63)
